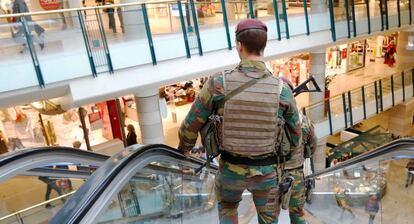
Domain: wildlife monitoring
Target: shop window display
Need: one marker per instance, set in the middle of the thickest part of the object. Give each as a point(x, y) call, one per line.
point(295, 69)
point(357, 55)
point(336, 60)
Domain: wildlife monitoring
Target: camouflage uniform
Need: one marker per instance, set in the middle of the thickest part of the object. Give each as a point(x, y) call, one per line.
point(233, 179)
point(294, 168)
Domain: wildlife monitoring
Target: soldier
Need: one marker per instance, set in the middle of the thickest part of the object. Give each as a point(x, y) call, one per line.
point(294, 168)
point(248, 128)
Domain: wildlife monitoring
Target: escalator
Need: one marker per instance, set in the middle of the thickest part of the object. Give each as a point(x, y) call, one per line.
point(27, 175)
point(157, 184)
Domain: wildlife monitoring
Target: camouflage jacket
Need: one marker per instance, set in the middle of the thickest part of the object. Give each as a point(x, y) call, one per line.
point(308, 146)
point(213, 92)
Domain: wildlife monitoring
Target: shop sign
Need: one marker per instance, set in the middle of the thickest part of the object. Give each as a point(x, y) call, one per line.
point(50, 4)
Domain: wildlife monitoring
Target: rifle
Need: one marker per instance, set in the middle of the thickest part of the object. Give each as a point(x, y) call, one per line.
point(303, 88)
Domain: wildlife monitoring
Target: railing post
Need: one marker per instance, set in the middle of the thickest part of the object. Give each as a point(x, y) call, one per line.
point(410, 10)
point(368, 16)
point(105, 42)
point(348, 23)
point(382, 14)
point(399, 13)
point(149, 34)
point(386, 14)
point(286, 18)
point(32, 51)
point(86, 41)
point(197, 31)
point(364, 106)
point(376, 96)
point(329, 115)
point(187, 47)
point(345, 110)
point(332, 19)
point(353, 17)
point(412, 79)
point(403, 84)
point(305, 7)
point(226, 23)
point(251, 9)
point(276, 12)
point(351, 118)
point(392, 90)
point(381, 98)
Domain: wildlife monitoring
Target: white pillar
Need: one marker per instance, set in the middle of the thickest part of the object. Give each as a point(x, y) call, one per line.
point(316, 114)
point(404, 56)
point(318, 70)
point(149, 117)
point(319, 157)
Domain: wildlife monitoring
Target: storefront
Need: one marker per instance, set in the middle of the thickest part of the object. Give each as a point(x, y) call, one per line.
point(336, 60)
point(295, 69)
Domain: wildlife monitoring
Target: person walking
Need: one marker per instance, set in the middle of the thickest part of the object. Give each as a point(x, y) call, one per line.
point(410, 173)
point(131, 137)
point(372, 207)
point(249, 100)
point(51, 185)
point(111, 15)
point(20, 6)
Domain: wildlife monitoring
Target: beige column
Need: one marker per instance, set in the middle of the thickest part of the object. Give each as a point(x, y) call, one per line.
point(316, 114)
point(404, 56)
point(149, 117)
point(401, 121)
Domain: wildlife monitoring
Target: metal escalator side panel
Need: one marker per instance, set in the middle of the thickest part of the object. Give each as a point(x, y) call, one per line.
point(95, 195)
point(18, 162)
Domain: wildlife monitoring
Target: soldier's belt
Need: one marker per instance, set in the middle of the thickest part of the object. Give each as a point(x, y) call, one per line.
point(248, 161)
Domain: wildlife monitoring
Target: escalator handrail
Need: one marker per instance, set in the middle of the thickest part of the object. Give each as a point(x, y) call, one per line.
point(82, 201)
point(378, 152)
point(25, 153)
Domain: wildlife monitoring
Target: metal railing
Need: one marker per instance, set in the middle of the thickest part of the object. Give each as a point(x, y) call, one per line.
point(83, 30)
point(353, 105)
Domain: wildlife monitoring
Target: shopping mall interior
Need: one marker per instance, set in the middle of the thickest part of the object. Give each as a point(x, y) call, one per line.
point(79, 77)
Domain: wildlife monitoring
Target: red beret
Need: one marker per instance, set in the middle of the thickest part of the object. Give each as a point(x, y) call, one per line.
point(248, 24)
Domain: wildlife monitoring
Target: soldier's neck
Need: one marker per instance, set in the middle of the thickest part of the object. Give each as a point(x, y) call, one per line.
point(252, 58)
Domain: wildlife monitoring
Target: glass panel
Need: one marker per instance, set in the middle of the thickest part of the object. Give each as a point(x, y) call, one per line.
point(263, 9)
point(369, 92)
point(375, 15)
point(356, 97)
point(351, 195)
point(16, 196)
point(337, 106)
point(126, 36)
point(318, 20)
point(361, 17)
point(211, 26)
point(392, 13)
point(14, 57)
point(340, 12)
point(237, 10)
point(61, 46)
point(405, 13)
point(165, 19)
point(164, 192)
point(296, 18)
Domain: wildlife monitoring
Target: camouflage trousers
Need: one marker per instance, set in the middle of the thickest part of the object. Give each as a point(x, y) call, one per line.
point(297, 198)
point(233, 180)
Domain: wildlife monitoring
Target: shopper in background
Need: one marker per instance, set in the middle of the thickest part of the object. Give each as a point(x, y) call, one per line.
point(20, 6)
point(410, 173)
point(111, 15)
point(3, 144)
point(51, 185)
point(372, 207)
point(76, 144)
point(251, 164)
point(131, 137)
point(389, 58)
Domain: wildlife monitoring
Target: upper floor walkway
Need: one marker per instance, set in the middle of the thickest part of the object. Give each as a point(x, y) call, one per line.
point(84, 61)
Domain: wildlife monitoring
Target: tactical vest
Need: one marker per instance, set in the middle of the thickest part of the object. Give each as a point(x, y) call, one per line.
point(250, 117)
point(298, 157)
